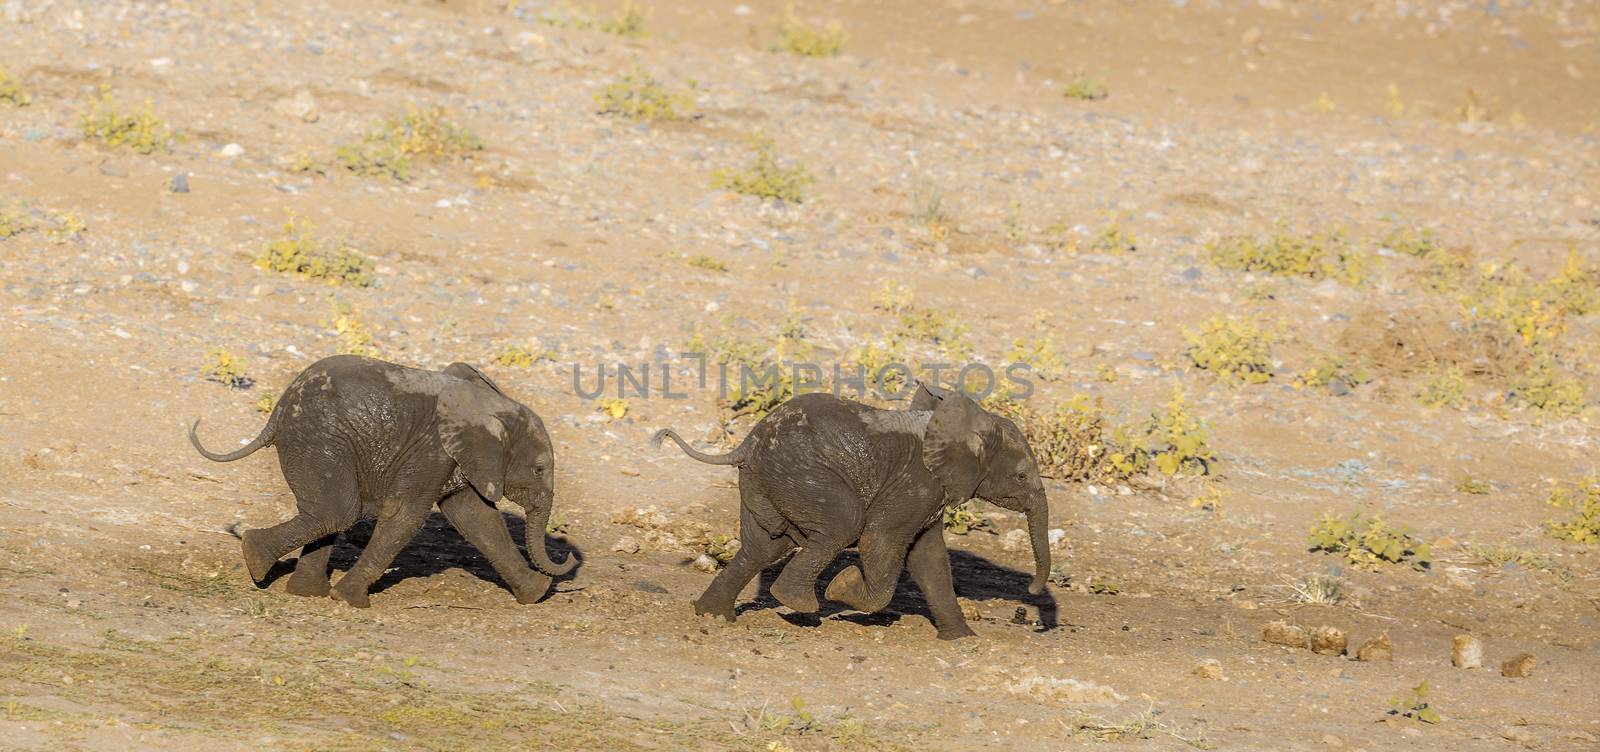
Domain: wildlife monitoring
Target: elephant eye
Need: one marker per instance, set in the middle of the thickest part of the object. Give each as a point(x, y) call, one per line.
point(1022, 475)
point(538, 469)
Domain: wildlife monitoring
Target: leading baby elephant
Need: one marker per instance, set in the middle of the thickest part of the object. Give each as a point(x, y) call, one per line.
point(823, 473)
point(360, 439)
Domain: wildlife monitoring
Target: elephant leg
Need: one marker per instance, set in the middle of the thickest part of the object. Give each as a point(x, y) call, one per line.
point(796, 586)
point(929, 565)
point(310, 576)
point(870, 587)
point(757, 550)
point(327, 509)
point(481, 524)
point(397, 525)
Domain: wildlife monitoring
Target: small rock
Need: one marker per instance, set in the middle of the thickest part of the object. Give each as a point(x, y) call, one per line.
point(1466, 651)
point(705, 563)
point(1015, 540)
point(1057, 536)
point(231, 151)
point(1517, 734)
point(969, 610)
point(180, 183)
point(1337, 387)
point(1209, 668)
point(1284, 633)
point(626, 544)
point(1020, 616)
point(1376, 649)
point(302, 106)
point(1328, 641)
point(1520, 666)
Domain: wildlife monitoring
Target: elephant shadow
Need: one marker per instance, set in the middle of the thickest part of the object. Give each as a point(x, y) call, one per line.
point(438, 548)
point(976, 578)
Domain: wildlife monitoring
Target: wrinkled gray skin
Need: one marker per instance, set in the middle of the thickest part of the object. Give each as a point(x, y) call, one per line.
point(823, 474)
point(363, 439)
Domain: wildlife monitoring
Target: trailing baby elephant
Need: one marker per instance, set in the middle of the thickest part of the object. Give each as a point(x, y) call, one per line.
point(823, 474)
point(361, 439)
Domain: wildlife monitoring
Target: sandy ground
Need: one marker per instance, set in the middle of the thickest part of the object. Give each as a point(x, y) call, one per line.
point(129, 622)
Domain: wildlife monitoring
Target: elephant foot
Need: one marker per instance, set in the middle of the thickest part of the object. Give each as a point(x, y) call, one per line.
point(956, 632)
point(528, 593)
point(309, 587)
point(847, 587)
point(704, 607)
point(256, 560)
point(803, 601)
point(350, 595)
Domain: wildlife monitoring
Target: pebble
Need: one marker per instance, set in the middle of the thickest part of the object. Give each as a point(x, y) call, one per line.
point(1328, 641)
point(231, 151)
point(1209, 668)
point(302, 106)
point(1466, 651)
point(705, 563)
point(1284, 633)
point(1056, 536)
point(1519, 667)
point(180, 183)
point(627, 544)
point(1376, 649)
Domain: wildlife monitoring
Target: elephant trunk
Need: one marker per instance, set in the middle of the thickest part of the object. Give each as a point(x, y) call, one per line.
point(538, 518)
point(1039, 532)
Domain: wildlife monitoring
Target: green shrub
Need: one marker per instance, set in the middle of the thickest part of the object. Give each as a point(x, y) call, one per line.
point(14, 221)
point(141, 131)
point(1324, 256)
point(765, 177)
point(1443, 387)
point(1039, 353)
point(1084, 86)
point(226, 369)
point(1172, 440)
point(639, 96)
point(1367, 542)
point(1548, 389)
point(961, 519)
point(1334, 366)
point(11, 90)
point(1410, 241)
point(1114, 239)
point(354, 336)
point(1414, 704)
point(519, 356)
point(810, 40)
point(1237, 351)
point(702, 261)
point(1583, 501)
point(300, 254)
point(389, 148)
point(632, 21)
point(1474, 486)
point(1069, 442)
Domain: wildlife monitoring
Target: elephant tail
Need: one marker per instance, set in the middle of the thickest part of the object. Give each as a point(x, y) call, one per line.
point(731, 458)
point(263, 439)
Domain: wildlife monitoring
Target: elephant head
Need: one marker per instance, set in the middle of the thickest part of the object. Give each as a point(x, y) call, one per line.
point(502, 449)
point(974, 453)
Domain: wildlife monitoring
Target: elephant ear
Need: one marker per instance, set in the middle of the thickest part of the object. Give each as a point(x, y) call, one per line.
point(926, 398)
point(955, 446)
point(473, 435)
point(469, 372)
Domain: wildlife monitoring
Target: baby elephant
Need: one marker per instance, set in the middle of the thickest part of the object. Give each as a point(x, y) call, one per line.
point(361, 439)
point(823, 474)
